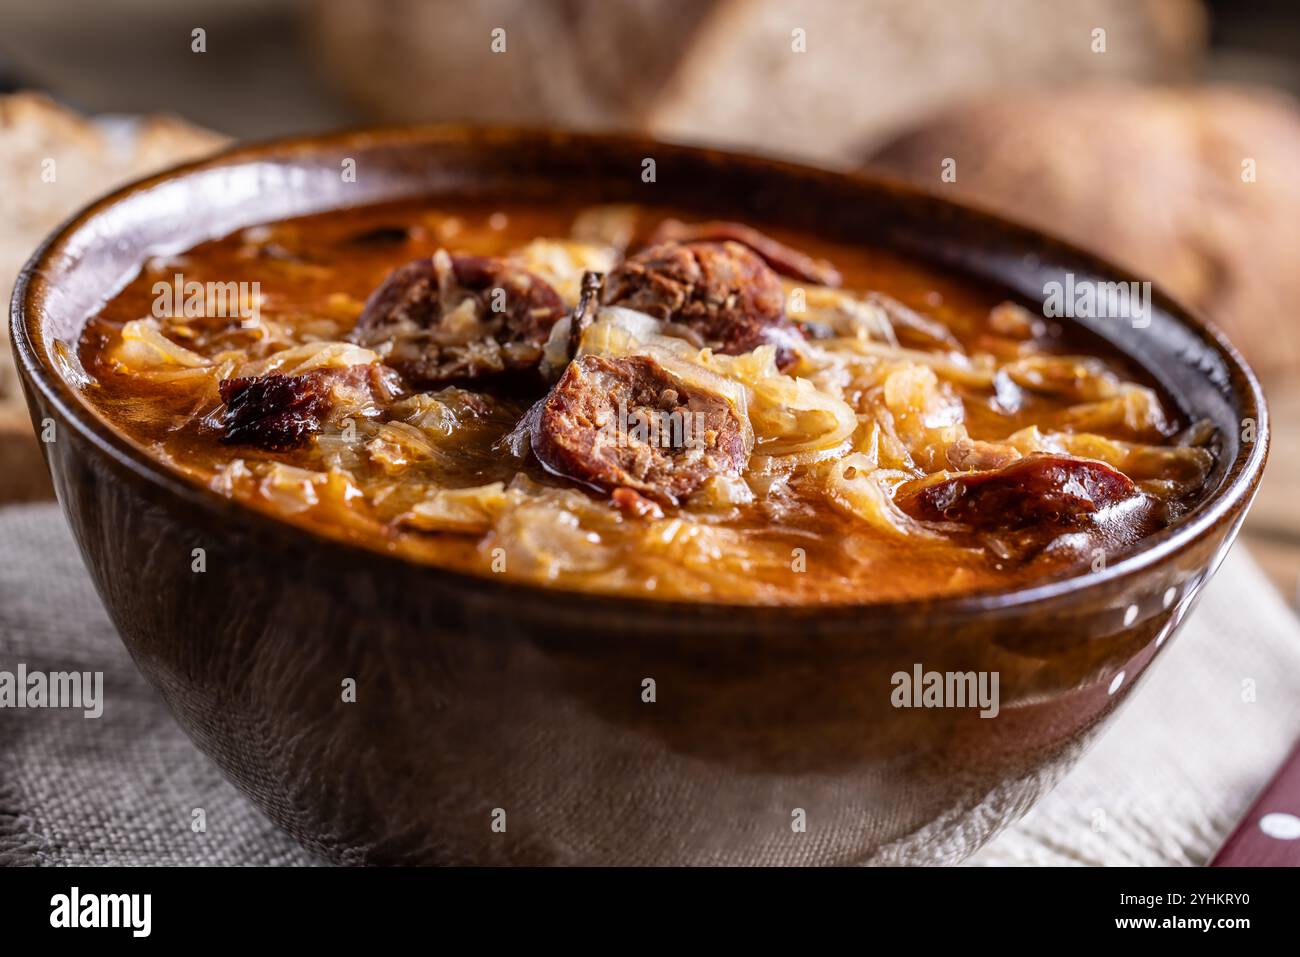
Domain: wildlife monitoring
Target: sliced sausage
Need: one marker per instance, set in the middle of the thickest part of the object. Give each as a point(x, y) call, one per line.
point(278, 412)
point(782, 258)
point(459, 317)
point(1039, 489)
point(626, 423)
point(721, 291)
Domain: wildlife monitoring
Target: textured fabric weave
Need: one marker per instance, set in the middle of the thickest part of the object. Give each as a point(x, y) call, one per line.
point(118, 789)
point(1165, 785)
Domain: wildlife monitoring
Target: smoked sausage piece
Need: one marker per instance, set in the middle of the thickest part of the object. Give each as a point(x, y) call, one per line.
point(784, 259)
point(626, 423)
point(459, 317)
point(722, 291)
point(1039, 489)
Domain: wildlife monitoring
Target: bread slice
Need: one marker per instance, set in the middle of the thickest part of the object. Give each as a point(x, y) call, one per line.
point(53, 162)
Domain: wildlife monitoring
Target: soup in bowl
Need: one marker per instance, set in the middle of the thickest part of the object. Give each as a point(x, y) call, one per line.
point(498, 504)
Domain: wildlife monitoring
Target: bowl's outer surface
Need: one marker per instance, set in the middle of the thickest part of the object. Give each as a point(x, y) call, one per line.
point(479, 703)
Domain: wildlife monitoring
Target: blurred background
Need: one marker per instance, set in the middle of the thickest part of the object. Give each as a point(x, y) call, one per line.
point(273, 67)
point(1163, 133)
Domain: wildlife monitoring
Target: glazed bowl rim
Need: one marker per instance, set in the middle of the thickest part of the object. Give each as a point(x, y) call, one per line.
point(38, 373)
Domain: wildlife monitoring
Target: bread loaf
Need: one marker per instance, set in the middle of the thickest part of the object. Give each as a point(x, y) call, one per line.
point(1192, 187)
point(814, 78)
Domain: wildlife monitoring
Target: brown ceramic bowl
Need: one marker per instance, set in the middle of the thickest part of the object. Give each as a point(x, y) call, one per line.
point(475, 695)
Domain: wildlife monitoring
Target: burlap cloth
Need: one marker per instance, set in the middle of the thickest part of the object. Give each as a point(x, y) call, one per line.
point(1165, 784)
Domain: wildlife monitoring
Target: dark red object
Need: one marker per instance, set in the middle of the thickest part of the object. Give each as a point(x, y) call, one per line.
point(1269, 834)
point(275, 411)
point(1037, 489)
point(787, 261)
